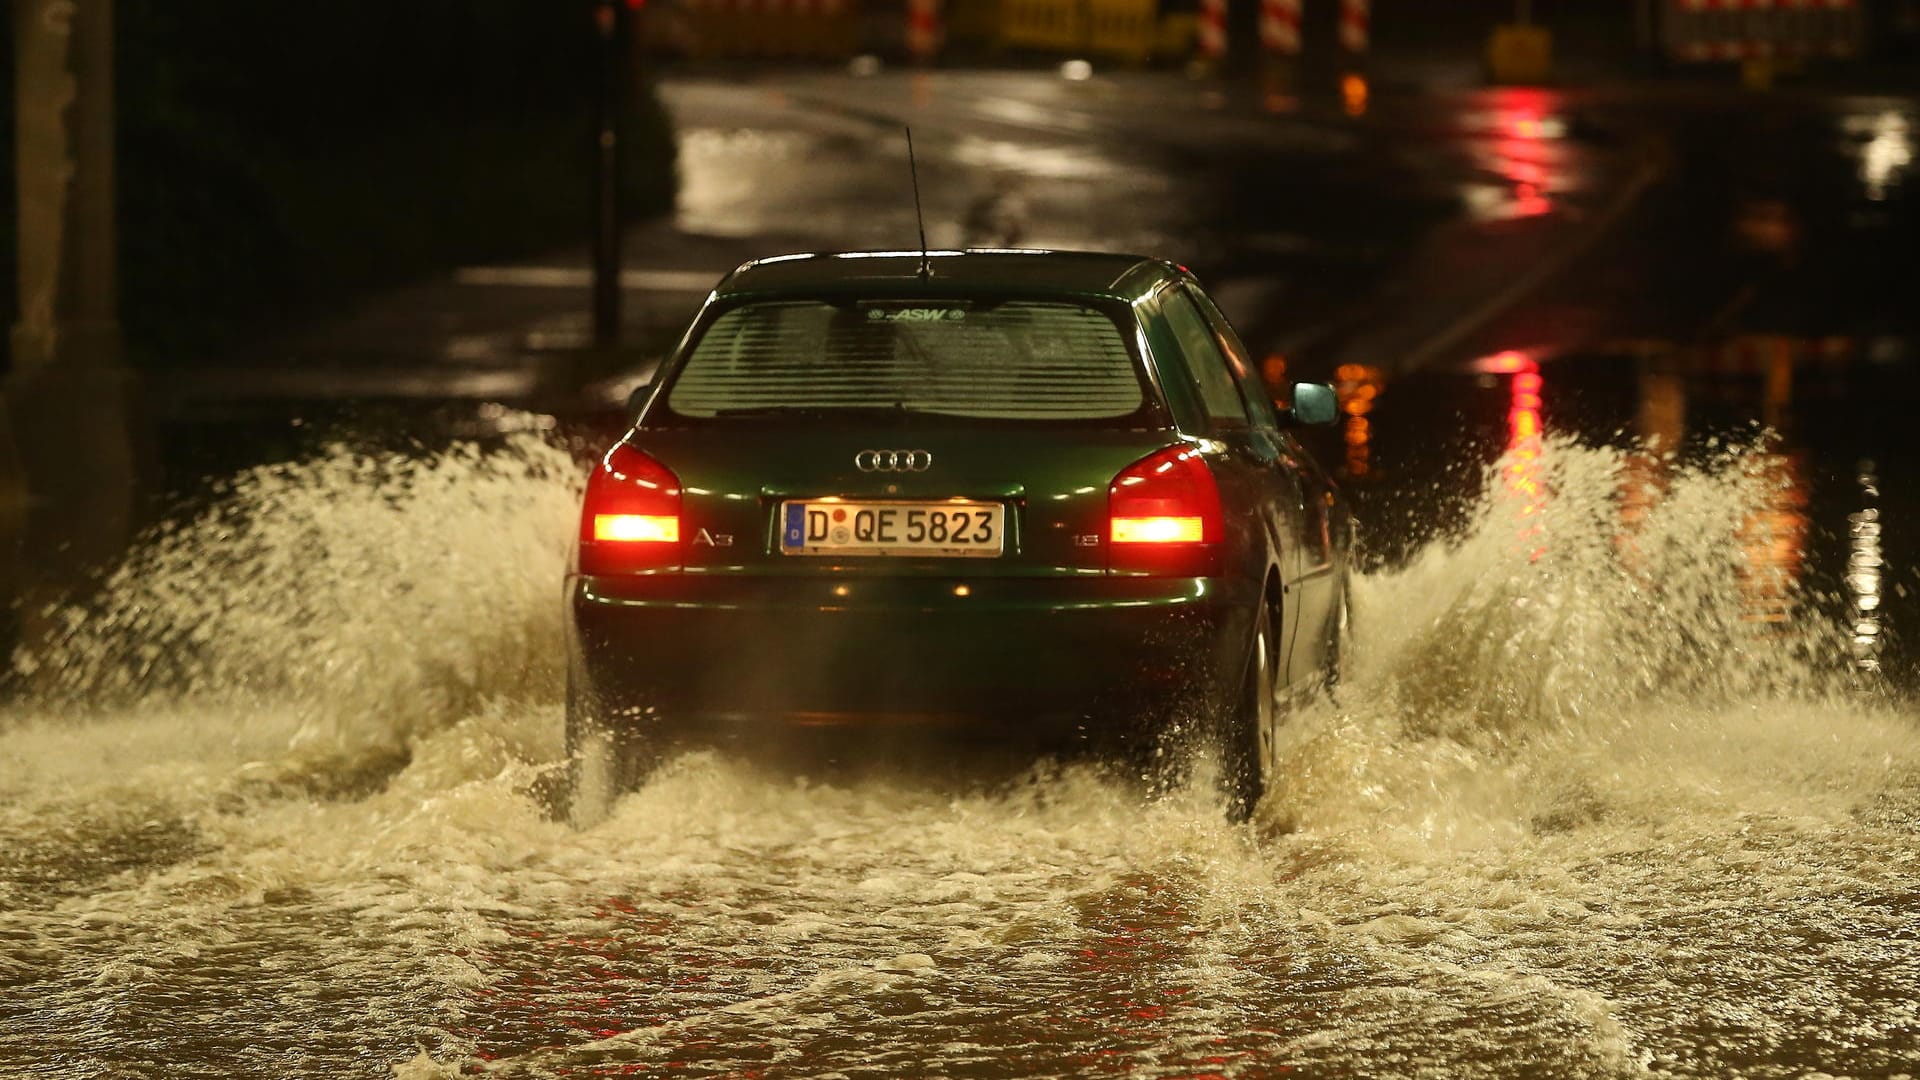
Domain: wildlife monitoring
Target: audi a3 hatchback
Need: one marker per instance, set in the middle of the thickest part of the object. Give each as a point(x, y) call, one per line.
point(1003, 495)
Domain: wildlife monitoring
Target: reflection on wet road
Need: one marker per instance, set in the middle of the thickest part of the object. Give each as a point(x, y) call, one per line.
point(1626, 781)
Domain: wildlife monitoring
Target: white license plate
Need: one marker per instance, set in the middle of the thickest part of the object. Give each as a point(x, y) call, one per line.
point(951, 527)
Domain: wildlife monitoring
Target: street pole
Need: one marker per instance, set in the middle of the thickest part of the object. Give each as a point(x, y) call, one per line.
point(68, 397)
point(607, 210)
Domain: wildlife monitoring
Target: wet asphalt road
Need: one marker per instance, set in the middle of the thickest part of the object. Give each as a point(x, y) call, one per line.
point(1617, 790)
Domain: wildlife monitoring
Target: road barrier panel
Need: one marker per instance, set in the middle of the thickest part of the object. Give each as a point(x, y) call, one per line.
point(1175, 37)
point(1210, 33)
point(1051, 25)
point(1520, 54)
point(725, 29)
point(1125, 29)
point(1356, 26)
point(925, 34)
point(926, 31)
point(1280, 27)
point(1129, 30)
point(1729, 31)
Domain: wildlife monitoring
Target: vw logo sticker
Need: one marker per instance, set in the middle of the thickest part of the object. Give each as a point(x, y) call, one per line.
point(893, 460)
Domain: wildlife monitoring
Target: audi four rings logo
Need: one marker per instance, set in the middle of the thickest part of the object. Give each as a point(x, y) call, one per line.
point(893, 460)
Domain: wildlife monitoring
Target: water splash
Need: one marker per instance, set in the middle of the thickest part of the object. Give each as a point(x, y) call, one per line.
point(1555, 606)
point(371, 595)
point(362, 601)
point(1561, 661)
point(1569, 788)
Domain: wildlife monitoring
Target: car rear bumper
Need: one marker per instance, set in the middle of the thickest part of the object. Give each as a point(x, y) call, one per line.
point(1043, 659)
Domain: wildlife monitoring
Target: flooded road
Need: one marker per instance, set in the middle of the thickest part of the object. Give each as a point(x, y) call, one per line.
point(1553, 827)
point(1611, 792)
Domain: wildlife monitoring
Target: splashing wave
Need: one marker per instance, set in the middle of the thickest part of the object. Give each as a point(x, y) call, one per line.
point(375, 596)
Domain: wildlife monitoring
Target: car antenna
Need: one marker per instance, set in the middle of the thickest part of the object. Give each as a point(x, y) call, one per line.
point(913, 170)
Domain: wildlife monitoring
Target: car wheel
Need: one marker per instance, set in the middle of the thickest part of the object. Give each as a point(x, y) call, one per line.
point(1248, 732)
point(604, 760)
point(593, 779)
point(1340, 648)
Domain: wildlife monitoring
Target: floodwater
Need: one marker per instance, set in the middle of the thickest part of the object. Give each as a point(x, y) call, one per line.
point(277, 811)
point(1626, 782)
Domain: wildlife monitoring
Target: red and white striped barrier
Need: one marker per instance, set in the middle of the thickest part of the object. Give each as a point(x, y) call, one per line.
point(1715, 51)
point(1210, 34)
point(1767, 5)
point(924, 30)
point(1280, 27)
point(1356, 25)
point(769, 7)
point(1729, 30)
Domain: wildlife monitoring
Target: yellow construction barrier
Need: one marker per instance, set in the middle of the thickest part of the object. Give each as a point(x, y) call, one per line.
point(1123, 28)
point(1520, 54)
point(1173, 39)
point(714, 32)
point(1126, 29)
point(1052, 25)
point(974, 23)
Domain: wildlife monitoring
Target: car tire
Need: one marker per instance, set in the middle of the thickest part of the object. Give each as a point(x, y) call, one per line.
point(1249, 725)
point(1340, 647)
point(604, 760)
point(593, 777)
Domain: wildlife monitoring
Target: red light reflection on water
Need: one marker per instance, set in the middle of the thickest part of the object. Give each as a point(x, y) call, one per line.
point(1774, 537)
point(1523, 147)
point(1525, 436)
point(1357, 386)
point(1772, 533)
point(1528, 202)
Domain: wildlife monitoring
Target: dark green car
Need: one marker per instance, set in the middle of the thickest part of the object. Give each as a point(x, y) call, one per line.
point(1034, 496)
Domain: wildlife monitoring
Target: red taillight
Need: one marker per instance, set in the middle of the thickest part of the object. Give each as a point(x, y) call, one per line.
point(1158, 530)
point(1163, 515)
point(630, 520)
point(637, 528)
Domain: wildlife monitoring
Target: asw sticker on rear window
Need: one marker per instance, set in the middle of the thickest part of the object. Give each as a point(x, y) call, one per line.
point(1018, 360)
point(916, 314)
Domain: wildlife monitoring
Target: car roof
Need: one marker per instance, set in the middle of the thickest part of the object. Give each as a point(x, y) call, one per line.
point(977, 271)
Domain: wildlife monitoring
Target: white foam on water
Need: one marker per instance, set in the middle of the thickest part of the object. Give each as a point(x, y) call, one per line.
point(1559, 665)
point(376, 593)
point(1572, 810)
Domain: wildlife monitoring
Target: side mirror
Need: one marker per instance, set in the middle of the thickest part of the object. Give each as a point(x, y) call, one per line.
point(638, 396)
point(1315, 403)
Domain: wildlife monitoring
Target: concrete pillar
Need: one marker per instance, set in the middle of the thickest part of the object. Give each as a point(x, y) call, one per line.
point(63, 87)
point(68, 395)
point(608, 218)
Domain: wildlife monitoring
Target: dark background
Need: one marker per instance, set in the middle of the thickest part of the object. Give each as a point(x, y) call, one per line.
point(272, 165)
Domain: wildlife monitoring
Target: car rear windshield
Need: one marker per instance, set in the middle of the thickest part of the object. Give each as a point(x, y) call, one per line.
point(1014, 360)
